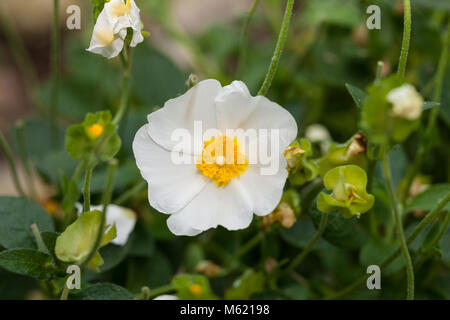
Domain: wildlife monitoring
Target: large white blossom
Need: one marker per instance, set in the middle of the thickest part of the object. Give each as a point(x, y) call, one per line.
point(111, 28)
point(124, 218)
point(200, 194)
point(407, 102)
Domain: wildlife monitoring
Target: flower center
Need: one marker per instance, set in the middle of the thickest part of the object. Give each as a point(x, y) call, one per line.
point(120, 8)
point(104, 37)
point(95, 130)
point(222, 160)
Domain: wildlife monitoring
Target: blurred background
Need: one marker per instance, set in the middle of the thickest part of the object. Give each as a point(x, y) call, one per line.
point(328, 47)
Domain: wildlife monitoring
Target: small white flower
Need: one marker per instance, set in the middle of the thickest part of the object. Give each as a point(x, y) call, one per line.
point(211, 190)
point(166, 297)
point(124, 218)
point(317, 133)
point(407, 102)
point(111, 28)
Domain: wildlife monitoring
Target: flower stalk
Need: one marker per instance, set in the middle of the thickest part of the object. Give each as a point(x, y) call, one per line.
point(278, 49)
point(398, 221)
point(55, 75)
point(244, 37)
point(106, 199)
point(299, 258)
point(406, 38)
point(87, 189)
point(12, 166)
point(125, 87)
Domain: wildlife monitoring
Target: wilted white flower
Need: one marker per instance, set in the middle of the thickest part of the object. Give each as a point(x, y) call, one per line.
point(407, 102)
point(111, 28)
point(124, 218)
point(214, 188)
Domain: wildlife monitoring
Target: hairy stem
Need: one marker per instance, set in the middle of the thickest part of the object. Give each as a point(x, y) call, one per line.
point(406, 38)
point(125, 88)
point(310, 245)
point(106, 199)
point(12, 166)
point(398, 221)
point(244, 37)
point(87, 189)
point(278, 49)
point(55, 75)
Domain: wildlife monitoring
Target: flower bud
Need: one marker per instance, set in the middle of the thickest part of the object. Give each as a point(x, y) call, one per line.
point(406, 102)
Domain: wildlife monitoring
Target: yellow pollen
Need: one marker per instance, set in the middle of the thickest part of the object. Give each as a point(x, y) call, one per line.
point(104, 37)
point(120, 8)
point(196, 289)
point(222, 160)
point(95, 130)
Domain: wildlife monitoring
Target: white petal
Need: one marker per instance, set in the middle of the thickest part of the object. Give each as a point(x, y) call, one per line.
point(264, 191)
point(124, 218)
point(236, 108)
point(197, 104)
point(166, 297)
point(98, 44)
point(227, 206)
point(170, 186)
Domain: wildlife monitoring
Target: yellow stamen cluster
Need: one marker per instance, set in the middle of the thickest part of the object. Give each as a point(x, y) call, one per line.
point(120, 8)
point(95, 130)
point(222, 160)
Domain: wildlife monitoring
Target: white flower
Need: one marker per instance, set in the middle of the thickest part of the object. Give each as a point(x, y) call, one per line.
point(213, 189)
point(111, 28)
point(124, 218)
point(317, 133)
point(407, 102)
point(166, 297)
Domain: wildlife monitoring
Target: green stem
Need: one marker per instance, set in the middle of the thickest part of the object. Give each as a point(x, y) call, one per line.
point(55, 75)
point(426, 141)
point(106, 199)
point(398, 221)
point(12, 166)
point(278, 49)
point(244, 37)
point(87, 189)
point(250, 244)
point(310, 245)
point(128, 194)
point(406, 38)
point(380, 66)
point(38, 238)
point(161, 290)
point(65, 292)
point(417, 230)
point(125, 88)
point(24, 158)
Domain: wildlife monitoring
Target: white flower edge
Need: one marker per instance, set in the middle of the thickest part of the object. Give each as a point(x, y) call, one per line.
point(407, 102)
point(124, 218)
point(110, 30)
point(194, 202)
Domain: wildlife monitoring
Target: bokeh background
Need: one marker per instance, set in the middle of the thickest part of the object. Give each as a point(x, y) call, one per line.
point(328, 46)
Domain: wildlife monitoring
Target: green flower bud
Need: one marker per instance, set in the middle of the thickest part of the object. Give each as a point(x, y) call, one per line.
point(351, 152)
point(75, 243)
point(95, 136)
point(349, 195)
point(391, 112)
point(301, 169)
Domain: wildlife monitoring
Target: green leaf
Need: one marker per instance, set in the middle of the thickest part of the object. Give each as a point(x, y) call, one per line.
point(375, 251)
point(429, 104)
point(428, 199)
point(165, 81)
point(103, 291)
point(301, 233)
point(341, 232)
point(49, 239)
point(193, 287)
point(16, 217)
point(27, 262)
point(357, 94)
point(245, 286)
point(445, 247)
point(296, 291)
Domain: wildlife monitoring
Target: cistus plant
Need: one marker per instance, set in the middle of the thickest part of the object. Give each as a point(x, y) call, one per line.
point(285, 184)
